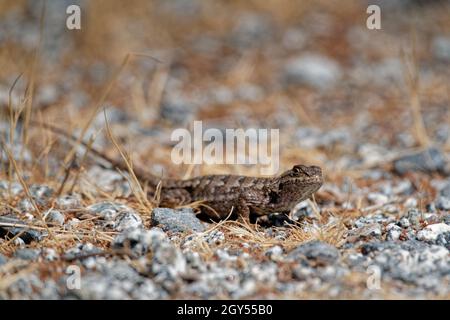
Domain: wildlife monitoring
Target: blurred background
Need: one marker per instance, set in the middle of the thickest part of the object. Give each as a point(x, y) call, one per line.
point(343, 96)
point(371, 107)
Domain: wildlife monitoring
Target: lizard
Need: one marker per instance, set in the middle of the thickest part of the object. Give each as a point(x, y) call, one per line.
point(222, 195)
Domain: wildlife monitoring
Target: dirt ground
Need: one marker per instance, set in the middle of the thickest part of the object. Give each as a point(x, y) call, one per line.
point(369, 106)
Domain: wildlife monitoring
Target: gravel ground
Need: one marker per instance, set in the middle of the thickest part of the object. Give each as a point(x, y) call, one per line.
point(379, 228)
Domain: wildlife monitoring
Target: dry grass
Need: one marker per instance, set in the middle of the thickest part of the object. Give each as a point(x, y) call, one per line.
point(123, 38)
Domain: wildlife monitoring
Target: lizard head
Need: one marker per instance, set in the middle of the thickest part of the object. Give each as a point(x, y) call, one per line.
point(294, 186)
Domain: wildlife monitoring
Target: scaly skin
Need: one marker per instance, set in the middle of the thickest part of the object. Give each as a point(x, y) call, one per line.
point(222, 195)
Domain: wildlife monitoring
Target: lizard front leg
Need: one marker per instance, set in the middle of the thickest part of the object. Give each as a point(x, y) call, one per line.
point(243, 211)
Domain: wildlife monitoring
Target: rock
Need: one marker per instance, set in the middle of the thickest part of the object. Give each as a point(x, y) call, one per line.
point(441, 48)
point(410, 203)
point(55, 217)
point(275, 253)
point(215, 237)
point(195, 241)
point(320, 252)
point(107, 180)
point(72, 223)
point(414, 216)
point(443, 239)
point(311, 137)
point(81, 250)
point(446, 219)
point(182, 220)
point(250, 92)
point(127, 220)
point(372, 230)
point(168, 265)
point(117, 279)
point(3, 259)
point(27, 254)
point(303, 210)
point(312, 69)
point(25, 205)
point(25, 234)
point(14, 187)
point(294, 38)
point(445, 191)
point(393, 232)
point(428, 161)
point(18, 152)
point(404, 223)
point(47, 94)
point(377, 198)
point(41, 191)
point(168, 261)
point(49, 254)
point(431, 232)
point(251, 30)
point(72, 201)
point(139, 240)
point(443, 203)
point(119, 216)
point(176, 110)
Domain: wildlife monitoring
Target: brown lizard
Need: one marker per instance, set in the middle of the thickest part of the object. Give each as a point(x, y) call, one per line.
point(224, 194)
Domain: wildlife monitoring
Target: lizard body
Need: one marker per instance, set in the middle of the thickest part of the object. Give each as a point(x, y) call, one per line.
point(222, 194)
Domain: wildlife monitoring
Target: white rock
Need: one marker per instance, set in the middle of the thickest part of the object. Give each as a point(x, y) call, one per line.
point(431, 232)
point(312, 69)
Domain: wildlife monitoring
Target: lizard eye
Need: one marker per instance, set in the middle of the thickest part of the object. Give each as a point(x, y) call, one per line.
point(300, 169)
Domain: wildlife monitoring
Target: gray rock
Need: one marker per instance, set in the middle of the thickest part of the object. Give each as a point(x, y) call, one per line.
point(3, 259)
point(430, 233)
point(446, 219)
point(443, 239)
point(441, 48)
point(215, 237)
point(303, 210)
point(18, 152)
point(127, 220)
point(81, 250)
point(55, 217)
point(251, 30)
point(250, 92)
point(404, 222)
point(311, 137)
point(443, 203)
point(117, 279)
point(176, 110)
point(372, 230)
point(107, 180)
point(168, 265)
point(181, 220)
point(25, 234)
point(68, 202)
point(41, 191)
point(321, 252)
point(312, 69)
point(375, 246)
point(275, 253)
point(393, 232)
point(419, 265)
point(118, 215)
point(414, 216)
point(377, 198)
point(49, 254)
point(14, 187)
point(445, 191)
point(139, 240)
point(428, 161)
point(27, 254)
